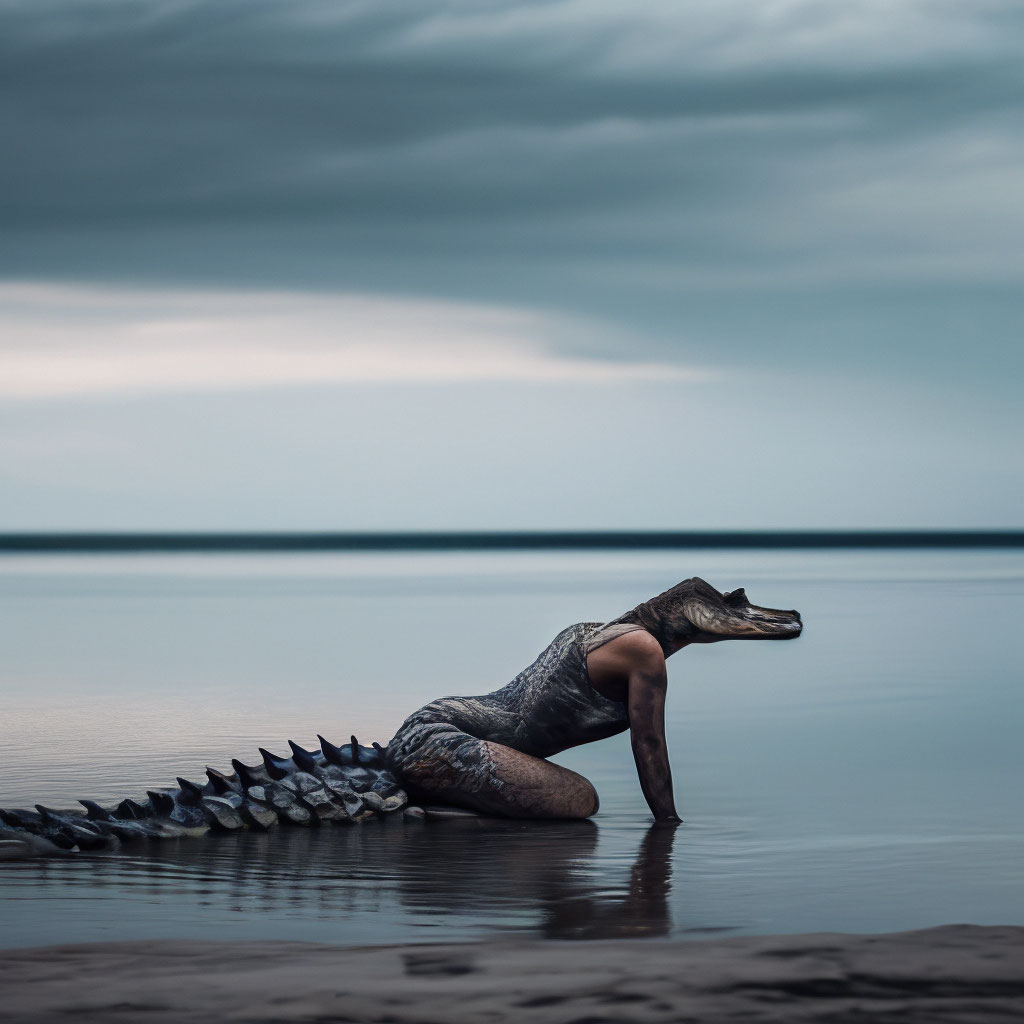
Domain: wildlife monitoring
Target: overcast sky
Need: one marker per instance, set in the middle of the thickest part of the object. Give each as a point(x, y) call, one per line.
point(325, 264)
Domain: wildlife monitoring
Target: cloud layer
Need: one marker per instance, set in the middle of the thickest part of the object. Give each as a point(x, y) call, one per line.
point(758, 262)
point(645, 165)
point(63, 342)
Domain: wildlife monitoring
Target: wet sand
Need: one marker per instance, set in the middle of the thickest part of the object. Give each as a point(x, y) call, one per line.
point(957, 973)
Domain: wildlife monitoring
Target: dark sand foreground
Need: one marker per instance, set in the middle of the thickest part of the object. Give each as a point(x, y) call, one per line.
point(957, 973)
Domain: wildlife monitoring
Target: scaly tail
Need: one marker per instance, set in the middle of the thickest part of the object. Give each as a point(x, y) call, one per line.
point(342, 784)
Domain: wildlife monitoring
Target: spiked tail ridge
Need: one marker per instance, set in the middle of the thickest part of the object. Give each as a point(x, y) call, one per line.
point(94, 812)
point(332, 754)
point(220, 782)
point(190, 792)
point(246, 776)
point(276, 767)
point(304, 760)
point(162, 803)
point(335, 784)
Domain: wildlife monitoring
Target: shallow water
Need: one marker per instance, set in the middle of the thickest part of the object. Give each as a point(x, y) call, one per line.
point(865, 778)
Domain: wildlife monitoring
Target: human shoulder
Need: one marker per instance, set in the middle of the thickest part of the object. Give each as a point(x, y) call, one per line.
point(641, 647)
point(635, 649)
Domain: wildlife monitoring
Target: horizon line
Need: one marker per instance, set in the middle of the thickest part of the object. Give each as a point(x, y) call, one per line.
point(40, 542)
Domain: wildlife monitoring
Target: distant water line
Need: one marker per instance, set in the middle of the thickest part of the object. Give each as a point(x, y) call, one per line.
point(540, 540)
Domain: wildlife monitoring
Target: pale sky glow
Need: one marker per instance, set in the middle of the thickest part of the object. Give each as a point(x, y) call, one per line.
point(452, 264)
point(66, 342)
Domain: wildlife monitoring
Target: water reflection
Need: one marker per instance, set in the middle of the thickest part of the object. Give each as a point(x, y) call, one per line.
point(437, 879)
point(639, 911)
point(545, 871)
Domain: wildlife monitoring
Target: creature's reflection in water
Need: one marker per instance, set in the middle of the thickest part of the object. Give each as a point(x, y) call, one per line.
point(545, 871)
point(455, 878)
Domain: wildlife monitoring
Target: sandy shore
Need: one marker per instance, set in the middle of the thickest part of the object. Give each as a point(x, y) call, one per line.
point(942, 975)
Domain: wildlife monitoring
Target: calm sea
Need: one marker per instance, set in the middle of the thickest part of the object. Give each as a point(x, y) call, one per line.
point(867, 777)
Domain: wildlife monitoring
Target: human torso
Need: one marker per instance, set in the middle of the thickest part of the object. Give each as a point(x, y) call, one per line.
point(549, 706)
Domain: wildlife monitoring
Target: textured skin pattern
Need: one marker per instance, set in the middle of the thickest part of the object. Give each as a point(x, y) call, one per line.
point(335, 784)
point(693, 611)
point(548, 707)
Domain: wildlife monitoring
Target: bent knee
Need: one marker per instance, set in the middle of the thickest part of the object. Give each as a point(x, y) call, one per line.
point(583, 801)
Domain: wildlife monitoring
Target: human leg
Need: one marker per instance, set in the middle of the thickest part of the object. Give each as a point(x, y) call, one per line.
point(451, 766)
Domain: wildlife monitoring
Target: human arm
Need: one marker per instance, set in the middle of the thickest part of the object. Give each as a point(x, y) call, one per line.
point(648, 682)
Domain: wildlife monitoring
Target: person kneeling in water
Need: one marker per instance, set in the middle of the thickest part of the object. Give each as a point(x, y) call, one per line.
point(593, 680)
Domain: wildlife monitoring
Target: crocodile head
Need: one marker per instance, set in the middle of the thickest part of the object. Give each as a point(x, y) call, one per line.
point(694, 612)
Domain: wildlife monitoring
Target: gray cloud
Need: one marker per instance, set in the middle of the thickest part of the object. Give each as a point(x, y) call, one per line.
point(790, 184)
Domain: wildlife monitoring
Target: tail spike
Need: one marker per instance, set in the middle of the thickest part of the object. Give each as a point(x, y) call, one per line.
point(221, 784)
point(355, 750)
point(94, 812)
point(18, 818)
point(332, 753)
point(304, 759)
point(246, 775)
point(72, 828)
point(162, 802)
point(130, 810)
point(273, 764)
point(378, 747)
point(191, 792)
